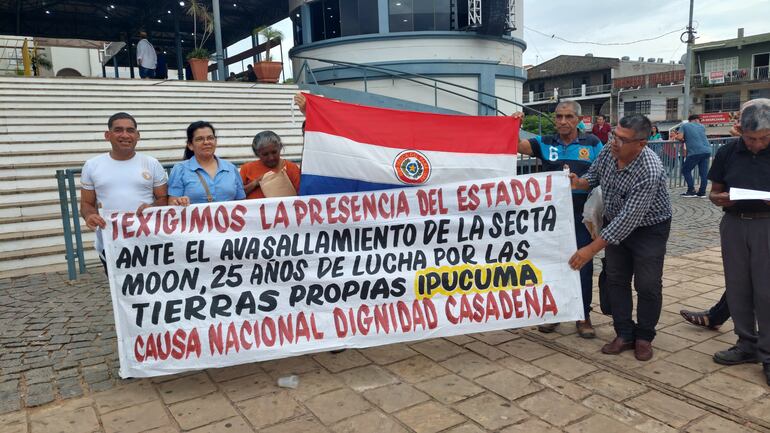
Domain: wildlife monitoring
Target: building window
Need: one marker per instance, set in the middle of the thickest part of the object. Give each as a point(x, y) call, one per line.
point(419, 15)
point(728, 64)
point(636, 107)
point(672, 109)
point(722, 102)
point(358, 17)
point(296, 20)
point(759, 93)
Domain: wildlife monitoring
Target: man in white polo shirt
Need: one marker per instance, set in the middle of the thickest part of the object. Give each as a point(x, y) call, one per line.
point(120, 180)
point(146, 57)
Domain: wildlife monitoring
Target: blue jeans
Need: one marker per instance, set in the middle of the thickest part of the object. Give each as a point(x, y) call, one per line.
point(702, 162)
point(146, 73)
point(583, 238)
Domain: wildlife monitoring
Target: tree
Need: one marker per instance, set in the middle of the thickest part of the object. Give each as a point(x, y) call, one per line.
point(269, 34)
point(532, 123)
point(200, 13)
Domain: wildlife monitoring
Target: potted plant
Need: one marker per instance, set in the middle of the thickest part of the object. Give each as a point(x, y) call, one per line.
point(268, 71)
point(199, 56)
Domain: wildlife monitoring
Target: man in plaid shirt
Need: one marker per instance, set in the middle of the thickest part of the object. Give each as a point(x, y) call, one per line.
point(637, 222)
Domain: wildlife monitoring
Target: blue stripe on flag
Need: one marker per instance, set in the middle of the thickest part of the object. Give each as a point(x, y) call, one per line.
point(311, 184)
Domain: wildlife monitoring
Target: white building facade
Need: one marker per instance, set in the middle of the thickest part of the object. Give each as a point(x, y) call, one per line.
point(441, 39)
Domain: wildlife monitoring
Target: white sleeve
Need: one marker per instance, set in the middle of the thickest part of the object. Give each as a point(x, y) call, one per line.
point(159, 176)
point(86, 177)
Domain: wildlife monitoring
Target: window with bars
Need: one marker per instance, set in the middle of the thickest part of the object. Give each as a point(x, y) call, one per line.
point(636, 107)
point(722, 102)
point(727, 64)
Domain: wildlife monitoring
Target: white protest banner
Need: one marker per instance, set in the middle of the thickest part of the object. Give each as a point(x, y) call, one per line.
point(228, 283)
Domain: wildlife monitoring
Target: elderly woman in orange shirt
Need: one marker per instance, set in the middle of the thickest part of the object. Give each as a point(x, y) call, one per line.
point(267, 147)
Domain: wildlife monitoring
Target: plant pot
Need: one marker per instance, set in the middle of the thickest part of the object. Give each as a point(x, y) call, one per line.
point(200, 69)
point(268, 72)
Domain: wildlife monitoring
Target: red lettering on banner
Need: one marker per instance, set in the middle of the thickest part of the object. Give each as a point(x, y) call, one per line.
point(478, 308)
point(159, 347)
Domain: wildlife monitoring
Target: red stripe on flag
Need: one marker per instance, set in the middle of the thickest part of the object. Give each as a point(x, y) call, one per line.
point(413, 130)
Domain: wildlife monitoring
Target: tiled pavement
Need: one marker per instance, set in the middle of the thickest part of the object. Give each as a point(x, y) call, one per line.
point(58, 371)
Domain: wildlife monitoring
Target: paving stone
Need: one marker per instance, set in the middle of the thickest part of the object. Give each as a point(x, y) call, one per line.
point(124, 396)
point(430, 417)
point(337, 405)
point(491, 411)
point(369, 377)
point(229, 425)
point(716, 424)
point(531, 425)
point(450, 388)
point(667, 409)
point(495, 337)
point(597, 423)
point(39, 375)
point(438, 349)
point(508, 384)
point(689, 332)
point(388, 354)
point(201, 411)
point(726, 390)
point(670, 343)
point(270, 409)
point(75, 416)
point(186, 388)
point(470, 365)
point(554, 408)
point(461, 340)
point(759, 409)
point(465, 428)
point(370, 422)
point(667, 372)
point(288, 366)
point(694, 360)
point(14, 422)
point(525, 349)
point(563, 387)
point(611, 385)
point(39, 394)
point(417, 369)
point(521, 367)
point(395, 397)
point(565, 366)
point(136, 418)
point(749, 372)
point(336, 362)
point(230, 373)
point(251, 386)
point(487, 351)
point(314, 383)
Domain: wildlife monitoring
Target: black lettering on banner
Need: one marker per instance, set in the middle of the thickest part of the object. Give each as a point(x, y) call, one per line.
point(153, 255)
point(234, 279)
point(438, 230)
point(194, 252)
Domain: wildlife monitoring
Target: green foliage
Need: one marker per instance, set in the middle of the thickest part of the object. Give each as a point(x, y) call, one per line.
point(288, 81)
point(198, 53)
point(531, 123)
point(269, 34)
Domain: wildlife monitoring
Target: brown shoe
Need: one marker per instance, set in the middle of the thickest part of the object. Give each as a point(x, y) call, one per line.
point(643, 350)
point(585, 329)
point(617, 346)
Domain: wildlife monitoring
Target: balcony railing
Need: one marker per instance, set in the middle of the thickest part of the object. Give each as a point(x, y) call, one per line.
point(759, 73)
point(568, 93)
point(596, 90)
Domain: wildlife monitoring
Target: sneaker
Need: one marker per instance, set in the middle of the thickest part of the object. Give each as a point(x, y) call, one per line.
point(704, 195)
point(689, 194)
point(548, 328)
point(734, 356)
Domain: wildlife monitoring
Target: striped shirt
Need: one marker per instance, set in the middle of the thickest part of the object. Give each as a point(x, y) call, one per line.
point(634, 196)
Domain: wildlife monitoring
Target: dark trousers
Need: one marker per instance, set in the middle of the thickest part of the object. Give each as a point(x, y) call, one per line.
point(146, 73)
point(583, 238)
point(746, 259)
point(702, 162)
point(719, 313)
point(639, 256)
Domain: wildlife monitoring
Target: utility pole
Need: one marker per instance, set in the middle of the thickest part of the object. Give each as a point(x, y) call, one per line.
point(218, 39)
point(688, 66)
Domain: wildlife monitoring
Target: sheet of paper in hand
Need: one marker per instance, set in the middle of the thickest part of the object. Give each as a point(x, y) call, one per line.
point(220, 284)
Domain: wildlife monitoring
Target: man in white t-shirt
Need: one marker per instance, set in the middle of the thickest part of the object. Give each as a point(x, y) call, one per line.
point(121, 180)
point(146, 57)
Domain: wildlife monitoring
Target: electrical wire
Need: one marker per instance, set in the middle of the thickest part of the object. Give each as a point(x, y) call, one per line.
point(553, 36)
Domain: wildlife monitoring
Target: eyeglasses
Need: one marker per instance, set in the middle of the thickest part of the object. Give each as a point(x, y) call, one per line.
point(612, 138)
point(199, 140)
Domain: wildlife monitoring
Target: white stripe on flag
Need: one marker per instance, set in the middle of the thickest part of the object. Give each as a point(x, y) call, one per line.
point(334, 156)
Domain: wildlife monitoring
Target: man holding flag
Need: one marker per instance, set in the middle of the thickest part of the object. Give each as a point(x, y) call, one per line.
point(577, 151)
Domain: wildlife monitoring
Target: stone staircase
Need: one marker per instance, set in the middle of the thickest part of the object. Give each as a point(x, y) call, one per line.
point(48, 124)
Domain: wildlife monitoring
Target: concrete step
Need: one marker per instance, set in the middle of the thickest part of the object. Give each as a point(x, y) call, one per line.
point(75, 119)
point(128, 96)
point(124, 83)
point(58, 127)
point(12, 211)
point(190, 113)
point(32, 141)
point(39, 257)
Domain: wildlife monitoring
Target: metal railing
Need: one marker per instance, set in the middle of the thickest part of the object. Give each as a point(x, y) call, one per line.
point(760, 73)
point(670, 153)
point(599, 89)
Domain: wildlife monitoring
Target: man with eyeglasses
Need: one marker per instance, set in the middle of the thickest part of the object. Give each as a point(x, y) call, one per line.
point(570, 148)
point(745, 235)
point(637, 222)
point(120, 180)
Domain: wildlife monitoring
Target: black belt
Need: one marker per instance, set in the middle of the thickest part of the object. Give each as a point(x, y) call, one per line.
point(751, 215)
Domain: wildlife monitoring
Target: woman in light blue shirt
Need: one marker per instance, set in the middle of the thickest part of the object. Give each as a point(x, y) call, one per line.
point(202, 177)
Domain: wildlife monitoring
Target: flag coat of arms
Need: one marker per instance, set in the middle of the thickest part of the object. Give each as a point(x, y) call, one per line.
point(352, 148)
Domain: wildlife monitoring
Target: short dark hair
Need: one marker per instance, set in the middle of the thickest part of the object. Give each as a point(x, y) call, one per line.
point(692, 117)
point(601, 115)
point(118, 116)
point(188, 153)
point(640, 124)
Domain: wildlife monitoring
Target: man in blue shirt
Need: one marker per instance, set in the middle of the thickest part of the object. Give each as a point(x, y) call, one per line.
point(577, 151)
point(697, 151)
